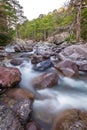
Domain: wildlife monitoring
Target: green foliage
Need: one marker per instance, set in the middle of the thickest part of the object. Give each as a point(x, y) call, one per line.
point(10, 16)
point(4, 39)
point(45, 25)
point(84, 24)
point(71, 38)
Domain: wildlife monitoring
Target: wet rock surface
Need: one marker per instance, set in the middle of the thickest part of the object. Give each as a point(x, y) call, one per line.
point(47, 80)
point(71, 120)
point(16, 62)
point(8, 119)
point(9, 77)
point(42, 66)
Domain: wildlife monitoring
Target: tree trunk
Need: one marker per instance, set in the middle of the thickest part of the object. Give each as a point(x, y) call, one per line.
point(79, 7)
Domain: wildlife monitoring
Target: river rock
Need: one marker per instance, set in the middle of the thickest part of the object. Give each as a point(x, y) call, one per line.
point(43, 65)
point(45, 80)
point(36, 59)
point(19, 93)
point(67, 68)
point(71, 120)
point(20, 101)
point(33, 126)
point(8, 119)
point(16, 62)
point(21, 107)
point(76, 53)
point(9, 77)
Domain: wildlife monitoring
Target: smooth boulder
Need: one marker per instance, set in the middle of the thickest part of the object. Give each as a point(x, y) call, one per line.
point(47, 80)
point(9, 77)
point(16, 62)
point(67, 68)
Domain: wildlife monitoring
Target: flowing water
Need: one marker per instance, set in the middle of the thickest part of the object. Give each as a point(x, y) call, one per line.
point(69, 93)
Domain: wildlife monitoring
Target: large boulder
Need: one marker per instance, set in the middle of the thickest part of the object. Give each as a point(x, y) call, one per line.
point(67, 68)
point(20, 101)
point(71, 120)
point(45, 80)
point(8, 119)
point(9, 77)
point(76, 53)
point(58, 38)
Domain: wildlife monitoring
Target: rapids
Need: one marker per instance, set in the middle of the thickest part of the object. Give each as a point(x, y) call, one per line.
point(69, 93)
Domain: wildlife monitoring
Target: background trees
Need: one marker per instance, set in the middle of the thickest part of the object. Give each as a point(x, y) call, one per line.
point(11, 15)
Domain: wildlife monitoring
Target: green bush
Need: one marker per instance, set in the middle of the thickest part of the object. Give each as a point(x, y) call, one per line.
point(4, 39)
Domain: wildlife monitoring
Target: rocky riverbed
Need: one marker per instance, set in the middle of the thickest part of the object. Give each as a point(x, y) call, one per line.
point(43, 86)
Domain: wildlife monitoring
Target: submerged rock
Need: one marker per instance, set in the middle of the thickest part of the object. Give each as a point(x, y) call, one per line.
point(45, 80)
point(67, 68)
point(9, 77)
point(71, 120)
point(8, 119)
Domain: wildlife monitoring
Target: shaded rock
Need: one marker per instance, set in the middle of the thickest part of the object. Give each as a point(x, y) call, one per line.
point(19, 93)
point(33, 126)
point(71, 120)
point(17, 48)
point(43, 65)
point(21, 107)
point(19, 101)
point(36, 59)
point(2, 91)
point(45, 80)
point(67, 68)
point(46, 56)
point(82, 66)
point(8, 119)
point(9, 77)
point(16, 62)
